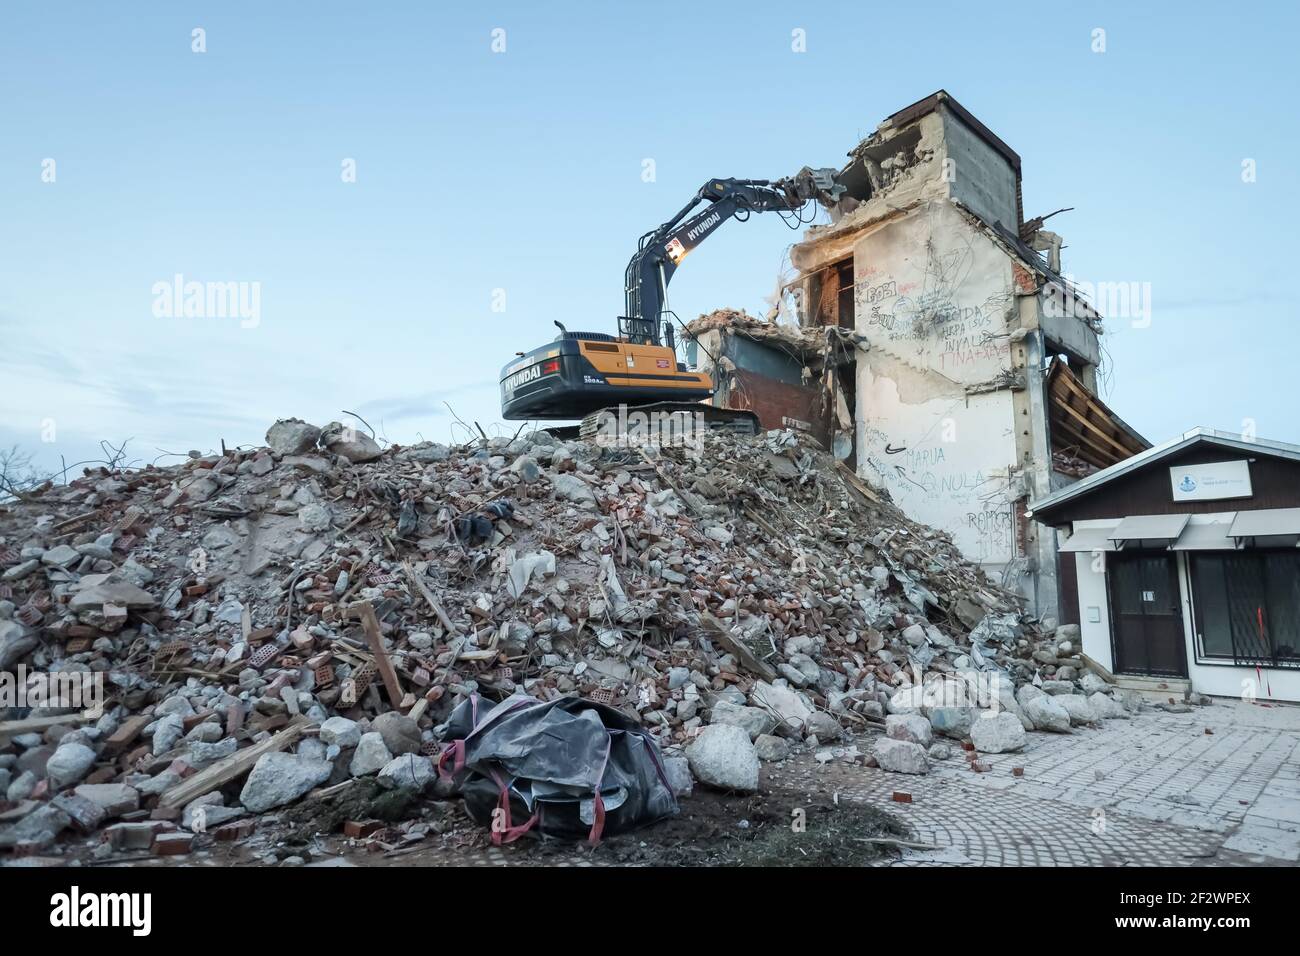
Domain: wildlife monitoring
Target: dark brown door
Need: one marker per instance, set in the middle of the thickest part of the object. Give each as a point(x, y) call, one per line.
point(1146, 614)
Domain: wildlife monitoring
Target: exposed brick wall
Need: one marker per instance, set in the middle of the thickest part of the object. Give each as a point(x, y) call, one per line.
point(774, 401)
point(1024, 279)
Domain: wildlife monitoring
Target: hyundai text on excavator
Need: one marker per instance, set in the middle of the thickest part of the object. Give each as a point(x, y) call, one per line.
point(581, 374)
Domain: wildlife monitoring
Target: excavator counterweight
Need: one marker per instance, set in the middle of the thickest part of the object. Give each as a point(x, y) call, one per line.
point(581, 372)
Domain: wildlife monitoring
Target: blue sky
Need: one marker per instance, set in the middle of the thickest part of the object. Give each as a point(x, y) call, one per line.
point(522, 171)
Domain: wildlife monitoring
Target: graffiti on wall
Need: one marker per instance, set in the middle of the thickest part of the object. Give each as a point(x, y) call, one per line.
point(969, 502)
point(949, 329)
point(944, 456)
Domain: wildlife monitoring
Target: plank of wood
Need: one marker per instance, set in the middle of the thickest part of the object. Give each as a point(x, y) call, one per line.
point(425, 593)
point(233, 767)
point(1092, 404)
point(1065, 431)
point(416, 712)
point(75, 521)
point(336, 788)
point(370, 624)
point(356, 521)
point(743, 654)
point(455, 646)
point(753, 515)
point(1093, 427)
point(12, 728)
point(858, 484)
point(1098, 669)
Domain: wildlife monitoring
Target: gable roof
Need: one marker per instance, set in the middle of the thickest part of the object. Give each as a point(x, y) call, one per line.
point(1197, 436)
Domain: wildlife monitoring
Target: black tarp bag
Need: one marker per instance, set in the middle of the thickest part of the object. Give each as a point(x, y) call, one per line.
point(569, 767)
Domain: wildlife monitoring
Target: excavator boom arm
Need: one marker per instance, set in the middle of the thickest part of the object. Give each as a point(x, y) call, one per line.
point(661, 251)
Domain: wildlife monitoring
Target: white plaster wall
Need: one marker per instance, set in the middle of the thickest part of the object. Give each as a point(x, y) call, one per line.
point(934, 296)
point(1090, 573)
point(1220, 680)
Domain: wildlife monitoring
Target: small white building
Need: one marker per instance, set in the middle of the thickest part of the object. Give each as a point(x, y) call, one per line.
point(1187, 565)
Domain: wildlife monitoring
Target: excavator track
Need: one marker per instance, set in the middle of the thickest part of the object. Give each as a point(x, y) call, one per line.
point(734, 420)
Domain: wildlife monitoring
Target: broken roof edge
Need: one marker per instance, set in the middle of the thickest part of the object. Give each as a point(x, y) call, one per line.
point(1126, 428)
point(931, 103)
point(890, 127)
point(1210, 436)
point(1060, 368)
point(807, 344)
point(805, 339)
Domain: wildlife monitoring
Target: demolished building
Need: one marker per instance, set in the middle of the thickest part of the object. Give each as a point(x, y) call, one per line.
point(939, 349)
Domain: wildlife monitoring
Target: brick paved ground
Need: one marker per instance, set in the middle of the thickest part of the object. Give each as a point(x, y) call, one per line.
point(1154, 790)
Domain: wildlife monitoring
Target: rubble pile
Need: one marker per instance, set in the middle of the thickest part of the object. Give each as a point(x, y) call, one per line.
point(809, 343)
point(276, 622)
point(733, 320)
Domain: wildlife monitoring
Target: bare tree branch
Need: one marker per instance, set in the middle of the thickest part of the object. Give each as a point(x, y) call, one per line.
point(20, 480)
point(361, 420)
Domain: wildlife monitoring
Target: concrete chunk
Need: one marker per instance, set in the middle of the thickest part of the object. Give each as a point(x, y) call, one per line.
point(723, 757)
point(900, 756)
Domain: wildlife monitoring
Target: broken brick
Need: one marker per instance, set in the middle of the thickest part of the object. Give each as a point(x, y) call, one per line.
point(175, 843)
point(358, 829)
point(234, 831)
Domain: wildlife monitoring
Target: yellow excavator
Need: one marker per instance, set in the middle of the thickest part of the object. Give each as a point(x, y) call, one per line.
point(579, 375)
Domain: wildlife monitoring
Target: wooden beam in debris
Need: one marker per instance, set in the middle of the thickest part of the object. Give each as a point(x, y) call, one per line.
point(233, 767)
point(370, 624)
point(718, 631)
point(429, 599)
point(28, 725)
point(75, 522)
point(858, 484)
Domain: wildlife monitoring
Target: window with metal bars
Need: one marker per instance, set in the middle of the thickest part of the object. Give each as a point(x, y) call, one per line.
point(1246, 605)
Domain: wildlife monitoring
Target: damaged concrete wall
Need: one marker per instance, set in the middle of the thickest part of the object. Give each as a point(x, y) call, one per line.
point(934, 299)
point(981, 178)
point(895, 170)
point(932, 150)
